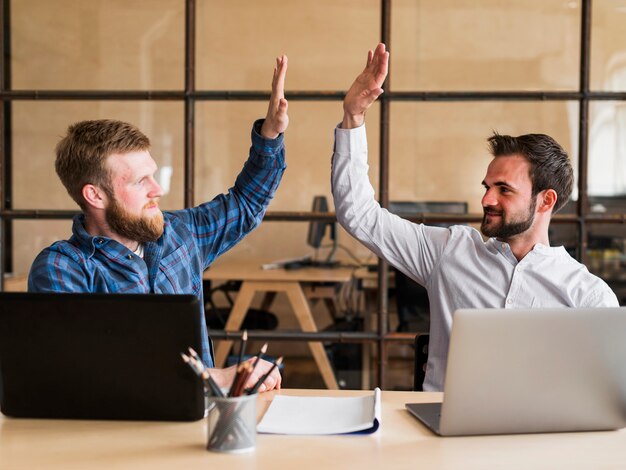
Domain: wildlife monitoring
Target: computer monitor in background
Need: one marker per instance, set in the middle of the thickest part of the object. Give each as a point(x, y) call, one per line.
point(428, 207)
point(317, 231)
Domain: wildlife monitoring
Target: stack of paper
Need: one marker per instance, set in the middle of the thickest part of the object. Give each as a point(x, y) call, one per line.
point(322, 415)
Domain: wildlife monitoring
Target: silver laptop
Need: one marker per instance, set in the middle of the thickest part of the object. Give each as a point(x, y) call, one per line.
point(532, 370)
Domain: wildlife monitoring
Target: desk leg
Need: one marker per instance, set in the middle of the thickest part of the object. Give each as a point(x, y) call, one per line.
point(304, 316)
point(235, 319)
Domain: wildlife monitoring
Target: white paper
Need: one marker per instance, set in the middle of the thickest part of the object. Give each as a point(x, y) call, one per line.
point(322, 415)
point(283, 262)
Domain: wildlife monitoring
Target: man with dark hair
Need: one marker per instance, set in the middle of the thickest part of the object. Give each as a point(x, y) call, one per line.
point(123, 243)
point(529, 179)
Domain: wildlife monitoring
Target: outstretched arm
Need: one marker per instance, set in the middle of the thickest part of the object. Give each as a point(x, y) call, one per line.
point(414, 249)
point(366, 88)
point(221, 223)
point(276, 121)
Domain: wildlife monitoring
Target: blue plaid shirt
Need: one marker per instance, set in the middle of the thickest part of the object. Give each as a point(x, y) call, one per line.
point(191, 240)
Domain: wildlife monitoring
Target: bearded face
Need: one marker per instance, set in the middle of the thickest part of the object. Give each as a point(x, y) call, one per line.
point(502, 224)
point(141, 228)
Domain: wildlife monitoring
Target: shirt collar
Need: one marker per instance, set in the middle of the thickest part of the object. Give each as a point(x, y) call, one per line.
point(89, 243)
point(538, 249)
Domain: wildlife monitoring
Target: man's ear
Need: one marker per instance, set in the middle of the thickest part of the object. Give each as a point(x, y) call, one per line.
point(546, 200)
point(95, 196)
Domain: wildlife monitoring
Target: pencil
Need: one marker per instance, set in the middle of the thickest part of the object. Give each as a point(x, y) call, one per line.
point(265, 376)
point(191, 363)
point(242, 347)
point(236, 380)
point(193, 352)
point(210, 384)
point(201, 371)
point(243, 378)
point(259, 356)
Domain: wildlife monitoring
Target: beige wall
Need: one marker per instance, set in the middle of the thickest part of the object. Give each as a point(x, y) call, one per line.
point(438, 150)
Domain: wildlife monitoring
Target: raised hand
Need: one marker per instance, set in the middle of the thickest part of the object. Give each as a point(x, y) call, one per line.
point(276, 121)
point(366, 88)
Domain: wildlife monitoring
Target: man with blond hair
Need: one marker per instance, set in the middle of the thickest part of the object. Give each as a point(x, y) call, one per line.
point(123, 243)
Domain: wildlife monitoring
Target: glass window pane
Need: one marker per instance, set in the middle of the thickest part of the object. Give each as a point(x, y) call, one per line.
point(608, 43)
point(485, 45)
point(607, 148)
point(223, 141)
point(438, 151)
point(32, 236)
point(326, 42)
point(101, 44)
point(261, 245)
point(38, 126)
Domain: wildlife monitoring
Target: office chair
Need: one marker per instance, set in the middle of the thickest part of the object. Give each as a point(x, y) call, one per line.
point(412, 304)
point(216, 317)
point(421, 359)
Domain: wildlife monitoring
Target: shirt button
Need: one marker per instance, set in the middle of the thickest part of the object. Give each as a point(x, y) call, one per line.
point(100, 241)
point(509, 301)
point(129, 256)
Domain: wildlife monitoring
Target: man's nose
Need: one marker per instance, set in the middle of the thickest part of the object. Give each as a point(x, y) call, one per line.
point(156, 190)
point(489, 199)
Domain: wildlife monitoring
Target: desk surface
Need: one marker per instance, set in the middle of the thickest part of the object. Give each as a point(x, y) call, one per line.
point(252, 271)
point(401, 442)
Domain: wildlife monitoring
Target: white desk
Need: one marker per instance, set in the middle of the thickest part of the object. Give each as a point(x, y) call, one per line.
point(401, 442)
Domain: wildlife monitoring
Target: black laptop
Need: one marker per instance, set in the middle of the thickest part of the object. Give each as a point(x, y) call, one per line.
point(99, 356)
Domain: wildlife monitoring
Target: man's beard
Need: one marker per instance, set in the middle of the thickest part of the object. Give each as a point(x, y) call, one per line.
point(141, 229)
point(507, 229)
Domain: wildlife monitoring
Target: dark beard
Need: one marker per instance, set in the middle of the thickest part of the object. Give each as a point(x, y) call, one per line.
point(507, 230)
point(139, 229)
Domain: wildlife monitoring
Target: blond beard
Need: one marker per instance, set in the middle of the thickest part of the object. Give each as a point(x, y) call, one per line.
point(141, 229)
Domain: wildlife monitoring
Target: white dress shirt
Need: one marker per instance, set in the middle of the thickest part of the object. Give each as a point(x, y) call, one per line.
point(457, 267)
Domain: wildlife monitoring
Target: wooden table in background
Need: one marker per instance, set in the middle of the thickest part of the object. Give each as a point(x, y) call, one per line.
point(15, 283)
point(293, 283)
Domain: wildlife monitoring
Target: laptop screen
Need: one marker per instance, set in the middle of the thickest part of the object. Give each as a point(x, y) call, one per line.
point(99, 356)
point(535, 370)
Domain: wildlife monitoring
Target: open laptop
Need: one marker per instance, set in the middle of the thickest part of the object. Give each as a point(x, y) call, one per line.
point(99, 356)
point(532, 370)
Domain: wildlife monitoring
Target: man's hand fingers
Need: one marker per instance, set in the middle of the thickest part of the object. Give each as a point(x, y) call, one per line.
point(282, 106)
point(276, 121)
point(370, 56)
point(278, 82)
point(272, 382)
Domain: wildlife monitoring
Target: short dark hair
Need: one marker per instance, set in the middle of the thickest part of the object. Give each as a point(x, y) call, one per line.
point(81, 155)
point(550, 167)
